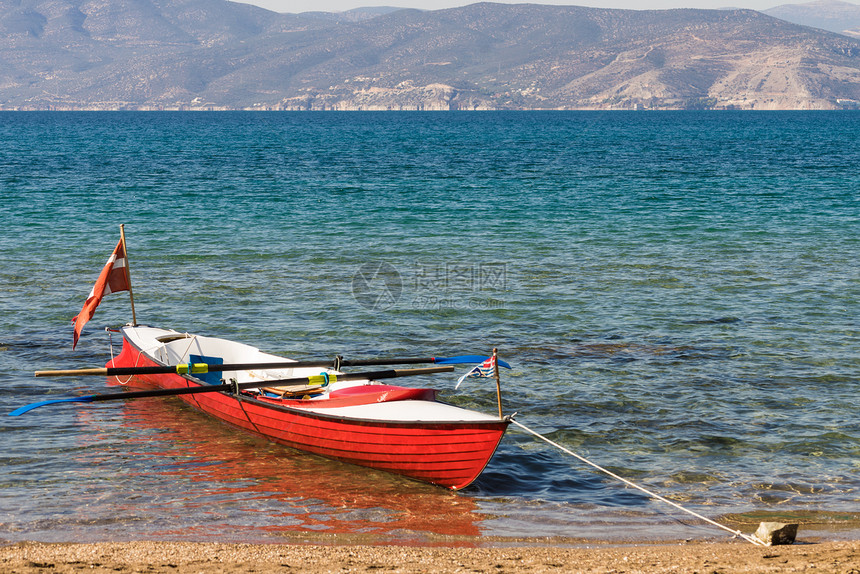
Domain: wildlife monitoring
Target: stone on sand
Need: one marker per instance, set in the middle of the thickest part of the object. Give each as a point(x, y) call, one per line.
point(776, 533)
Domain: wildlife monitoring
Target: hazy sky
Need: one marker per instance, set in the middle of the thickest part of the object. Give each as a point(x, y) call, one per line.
point(341, 5)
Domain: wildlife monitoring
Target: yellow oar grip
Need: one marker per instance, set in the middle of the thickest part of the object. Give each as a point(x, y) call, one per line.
point(323, 379)
point(184, 368)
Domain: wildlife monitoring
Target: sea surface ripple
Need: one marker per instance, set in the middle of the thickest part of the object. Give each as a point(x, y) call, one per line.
point(678, 294)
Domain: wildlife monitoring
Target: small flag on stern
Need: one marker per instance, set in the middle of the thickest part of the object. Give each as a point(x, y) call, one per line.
point(485, 369)
point(113, 278)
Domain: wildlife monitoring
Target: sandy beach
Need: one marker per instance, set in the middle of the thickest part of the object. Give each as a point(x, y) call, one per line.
point(841, 557)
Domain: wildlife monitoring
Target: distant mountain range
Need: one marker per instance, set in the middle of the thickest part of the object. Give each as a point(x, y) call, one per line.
point(832, 15)
point(213, 54)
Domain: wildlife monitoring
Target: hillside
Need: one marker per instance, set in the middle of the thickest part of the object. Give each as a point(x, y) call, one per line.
point(212, 54)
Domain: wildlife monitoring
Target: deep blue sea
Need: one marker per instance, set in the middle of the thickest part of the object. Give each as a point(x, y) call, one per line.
point(678, 293)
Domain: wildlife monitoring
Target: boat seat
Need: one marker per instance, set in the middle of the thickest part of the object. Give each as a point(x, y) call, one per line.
point(173, 337)
point(294, 391)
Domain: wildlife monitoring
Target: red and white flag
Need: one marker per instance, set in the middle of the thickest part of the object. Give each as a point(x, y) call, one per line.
point(113, 278)
point(485, 369)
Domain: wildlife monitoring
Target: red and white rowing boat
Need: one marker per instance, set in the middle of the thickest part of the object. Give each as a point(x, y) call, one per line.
point(345, 416)
point(365, 422)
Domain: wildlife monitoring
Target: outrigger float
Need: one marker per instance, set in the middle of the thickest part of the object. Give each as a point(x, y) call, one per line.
point(312, 406)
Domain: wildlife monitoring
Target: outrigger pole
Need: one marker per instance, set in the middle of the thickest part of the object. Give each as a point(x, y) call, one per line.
point(127, 273)
point(498, 381)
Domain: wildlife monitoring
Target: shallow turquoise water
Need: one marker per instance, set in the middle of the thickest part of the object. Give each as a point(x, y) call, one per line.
point(678, 294)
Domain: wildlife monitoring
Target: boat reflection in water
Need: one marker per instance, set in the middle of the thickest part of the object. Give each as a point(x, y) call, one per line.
point(210, 482)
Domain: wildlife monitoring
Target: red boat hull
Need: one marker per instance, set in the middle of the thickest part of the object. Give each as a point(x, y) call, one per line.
point(448, 454)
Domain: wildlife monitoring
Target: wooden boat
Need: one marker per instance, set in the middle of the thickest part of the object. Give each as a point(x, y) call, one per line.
point(402, 430)
point(345, 416)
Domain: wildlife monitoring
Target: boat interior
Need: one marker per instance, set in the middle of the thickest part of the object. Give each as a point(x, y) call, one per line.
point(174, 348)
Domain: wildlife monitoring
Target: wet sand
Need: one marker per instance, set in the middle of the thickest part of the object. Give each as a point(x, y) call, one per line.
point(840, 557)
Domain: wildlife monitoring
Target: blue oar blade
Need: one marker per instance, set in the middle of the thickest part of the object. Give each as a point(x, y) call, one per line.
point(27, 408)
point(459, 360)
point(466, 360)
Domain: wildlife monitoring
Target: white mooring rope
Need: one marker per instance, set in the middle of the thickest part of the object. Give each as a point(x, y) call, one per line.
point(750, 539)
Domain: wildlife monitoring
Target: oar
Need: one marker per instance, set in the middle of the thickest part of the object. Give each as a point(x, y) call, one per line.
point(458, 360)
point(322, 379)
point(200, 368)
